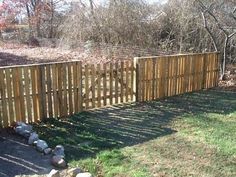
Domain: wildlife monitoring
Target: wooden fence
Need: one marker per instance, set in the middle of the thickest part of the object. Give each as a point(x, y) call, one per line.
point(35, 92)
point(164, 76)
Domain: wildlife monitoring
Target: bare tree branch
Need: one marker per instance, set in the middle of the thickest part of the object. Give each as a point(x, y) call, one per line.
point(209, 32)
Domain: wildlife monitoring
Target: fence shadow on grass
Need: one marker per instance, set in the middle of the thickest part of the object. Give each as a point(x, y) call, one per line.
point(87, 133)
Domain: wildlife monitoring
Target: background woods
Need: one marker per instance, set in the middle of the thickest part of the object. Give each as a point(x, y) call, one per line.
point(173, 26)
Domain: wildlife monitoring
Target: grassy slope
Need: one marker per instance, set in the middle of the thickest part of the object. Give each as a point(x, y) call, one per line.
point(190, 135)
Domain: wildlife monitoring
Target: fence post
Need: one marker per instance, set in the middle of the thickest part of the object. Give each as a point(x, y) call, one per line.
point(136, 79)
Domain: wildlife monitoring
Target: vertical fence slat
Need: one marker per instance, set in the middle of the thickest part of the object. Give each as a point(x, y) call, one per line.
point(144, 75)
point(122, 82)
point(116, 83)
point(21, 95)
point(168, 76)
point(99, 85)
point(153, 78)
point(131, 81)
point(149, 69)
point(145, 79)
point(127, 81)
point(9, 95)
point(157, 79)
point(166, 72)
point(65, 89)
point(93, 85)
point(27, 93)
point(161, 85)
point(43, 91)
point(171, 76)
point(86, 87)
point(75, 81)
point(34, 92)
point(80, 86)
point(186, 73)
point(70, 88)
point(136, 80)
point(175, 75)
point(49, 90)
point(142, 80)
point(218, 68)
point(1, 98)
point(5, 117)
point(104, 84)
point(16, 87)
point(55, 90)
point(111, 83)
point(59, 81)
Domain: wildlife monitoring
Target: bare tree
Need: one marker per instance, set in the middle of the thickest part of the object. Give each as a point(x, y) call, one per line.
point(228, 32)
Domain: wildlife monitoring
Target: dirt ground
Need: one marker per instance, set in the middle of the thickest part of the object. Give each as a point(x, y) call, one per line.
point(13, 54)
point(18, 158)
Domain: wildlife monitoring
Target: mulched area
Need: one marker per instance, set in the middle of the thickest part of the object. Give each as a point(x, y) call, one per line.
point(18, 158)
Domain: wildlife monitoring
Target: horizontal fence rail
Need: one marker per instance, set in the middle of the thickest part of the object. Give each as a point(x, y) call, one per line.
point(32, 93)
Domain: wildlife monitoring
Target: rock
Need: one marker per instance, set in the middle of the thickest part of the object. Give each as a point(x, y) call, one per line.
point(58, 161)
point(20, 124)
point(35, 143)
point(41, 145)
point(54, 173)
point(59, 151)
point(18, 129)
point(33, 137)
point(84, 175)
point(73, 172)
point(23, 129)
point(47, 151)
point(26, 134)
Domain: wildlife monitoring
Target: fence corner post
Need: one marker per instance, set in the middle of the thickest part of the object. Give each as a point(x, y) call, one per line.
point(136, 80)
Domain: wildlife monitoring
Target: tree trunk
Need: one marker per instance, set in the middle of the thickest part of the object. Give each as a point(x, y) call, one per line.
point(51, 21)
point(223, 63)
point(29, 20)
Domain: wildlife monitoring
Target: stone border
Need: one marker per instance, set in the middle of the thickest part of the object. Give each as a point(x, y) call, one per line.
point(58, 154)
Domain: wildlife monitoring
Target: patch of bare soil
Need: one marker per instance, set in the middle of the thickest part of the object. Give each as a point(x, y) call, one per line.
point(18, 55)
point(229, 84)
point(18, 158)
point(21, 56)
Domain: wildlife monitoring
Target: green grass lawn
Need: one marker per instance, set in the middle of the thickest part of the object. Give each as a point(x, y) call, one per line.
point(188, 135)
